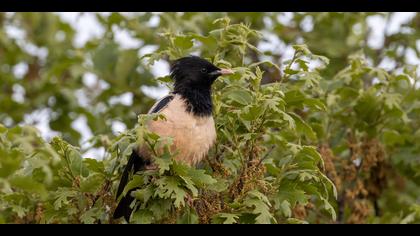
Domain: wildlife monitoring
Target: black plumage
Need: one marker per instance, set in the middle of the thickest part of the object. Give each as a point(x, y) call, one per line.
point(135, 163)
point(161, 104)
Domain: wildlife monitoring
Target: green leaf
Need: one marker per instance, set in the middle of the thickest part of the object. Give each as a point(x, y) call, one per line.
point(303, 128)
point(170, 187)
point(303, 64)
point(183, 42)
point(142, 216)
point(409, 218)
point(92, 183)
point(292, 194)
point(209, 42)
point(105, 57)
point(189, 217)
point(261, 207)
point(144, 194)
point(19, 210)
point(94, 165)
point(392, 100)
point(225, 218)
point(329, 208)
point(242, 97)
point(252, 112)
point(290, 71)
point(10, 162)
point(190, 185)
point(90, 216)
point(403, 77)
point(165, 79)
point(324, 60)
point(311, 153)
point(126, 65)
point(286, 208)
point(289, 119)
point(197, 176)
point(302, 48)
point(135, 182)
point(315, 104)
point(265, 62)
point(294, 97)
point(76, 163)
point(164, 162)
point(368, 108)
point(392, 137)
point(26, 183)
point(63, 195)
point(219, 186)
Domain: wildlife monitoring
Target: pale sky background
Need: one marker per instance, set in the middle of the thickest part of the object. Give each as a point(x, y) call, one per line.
point(87, 27)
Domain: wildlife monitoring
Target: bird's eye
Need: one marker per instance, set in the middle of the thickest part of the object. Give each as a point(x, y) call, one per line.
point(203, 70)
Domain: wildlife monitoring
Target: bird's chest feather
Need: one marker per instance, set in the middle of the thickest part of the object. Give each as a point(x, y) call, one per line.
point(192, 135)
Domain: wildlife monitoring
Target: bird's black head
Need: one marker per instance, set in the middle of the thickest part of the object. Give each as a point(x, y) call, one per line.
point(193, 78)
point(195, 72)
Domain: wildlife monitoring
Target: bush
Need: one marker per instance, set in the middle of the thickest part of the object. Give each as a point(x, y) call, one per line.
point(301, 141)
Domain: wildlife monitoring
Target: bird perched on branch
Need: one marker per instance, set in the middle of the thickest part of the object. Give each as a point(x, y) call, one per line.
point(189, 121)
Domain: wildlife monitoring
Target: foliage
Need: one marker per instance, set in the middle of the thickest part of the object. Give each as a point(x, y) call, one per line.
point(324, 135)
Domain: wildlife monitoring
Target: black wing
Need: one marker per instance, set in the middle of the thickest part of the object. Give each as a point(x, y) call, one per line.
point(134, 164)
point(162, 103)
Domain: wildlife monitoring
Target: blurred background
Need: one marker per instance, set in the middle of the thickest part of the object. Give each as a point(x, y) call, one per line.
point(86, 77)
point(81, 74)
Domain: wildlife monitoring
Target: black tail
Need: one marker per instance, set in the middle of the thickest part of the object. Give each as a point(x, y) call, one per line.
point(135, 163)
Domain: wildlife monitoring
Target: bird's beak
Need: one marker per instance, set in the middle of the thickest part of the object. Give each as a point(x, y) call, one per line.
point(226, 71)
point(220, 72)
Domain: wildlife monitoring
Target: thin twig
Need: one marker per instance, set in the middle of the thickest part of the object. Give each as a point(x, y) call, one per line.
point(267, 154)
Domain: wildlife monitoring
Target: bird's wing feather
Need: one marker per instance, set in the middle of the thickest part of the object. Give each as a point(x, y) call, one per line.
point(134, 162)
point(161, 104)
point(123, 208)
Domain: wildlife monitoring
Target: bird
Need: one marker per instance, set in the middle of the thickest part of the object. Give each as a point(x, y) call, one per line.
point(188, 112)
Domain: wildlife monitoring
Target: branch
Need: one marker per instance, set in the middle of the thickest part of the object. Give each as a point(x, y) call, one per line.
point(266, 155)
